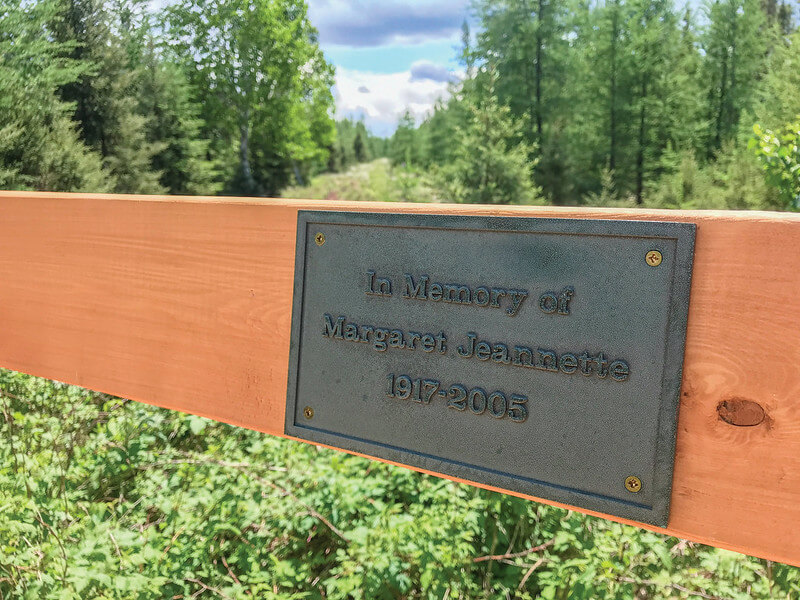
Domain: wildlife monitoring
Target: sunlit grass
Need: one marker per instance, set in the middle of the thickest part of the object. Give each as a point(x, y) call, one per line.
point(376, 181)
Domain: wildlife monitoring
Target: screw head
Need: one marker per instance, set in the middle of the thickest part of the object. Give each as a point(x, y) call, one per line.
point(320, 239)
point(633, 484)
point(653, 258)
point(308, 412)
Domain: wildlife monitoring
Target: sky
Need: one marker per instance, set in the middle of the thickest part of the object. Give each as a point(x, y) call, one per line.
point(390, 55)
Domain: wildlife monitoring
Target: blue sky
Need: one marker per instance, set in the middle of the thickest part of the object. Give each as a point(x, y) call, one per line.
point(390, 55)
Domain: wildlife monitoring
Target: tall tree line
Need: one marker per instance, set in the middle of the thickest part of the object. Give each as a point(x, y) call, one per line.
point(614, 99)
point(354, 144)
point(103, 95)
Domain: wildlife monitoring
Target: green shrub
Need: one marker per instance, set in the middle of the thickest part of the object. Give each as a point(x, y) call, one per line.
point(106, 498)
point(779, 154)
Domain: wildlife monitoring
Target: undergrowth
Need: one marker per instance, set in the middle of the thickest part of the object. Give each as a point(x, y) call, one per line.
point(105, 498)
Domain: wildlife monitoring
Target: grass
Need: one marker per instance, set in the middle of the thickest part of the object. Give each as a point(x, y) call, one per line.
point(376, 181)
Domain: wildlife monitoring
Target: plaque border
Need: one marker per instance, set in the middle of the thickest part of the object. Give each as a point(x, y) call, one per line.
point(674, 347)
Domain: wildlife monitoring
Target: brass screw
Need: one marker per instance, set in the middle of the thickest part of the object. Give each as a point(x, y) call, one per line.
point(653, 258)
point(320, 239)
point(308, 412)
point(633, 484)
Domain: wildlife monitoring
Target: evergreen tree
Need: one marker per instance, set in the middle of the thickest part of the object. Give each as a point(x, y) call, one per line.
point(404, 144)
point(345, 143)
point(779, 15)
point(684, 100)
point(334, 158)
point(360, 150)
point(778, 93)
point(354, 143)
point(663, 102)
point(491, 165)
point(736, 44)
point(601, 133)
point(437, 132)
point(39, 147)
point(635, 76)
point(174, 127)
point(104, 95)
point(525, 41)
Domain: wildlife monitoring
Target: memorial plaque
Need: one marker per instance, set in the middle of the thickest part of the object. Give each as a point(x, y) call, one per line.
point(541, 356)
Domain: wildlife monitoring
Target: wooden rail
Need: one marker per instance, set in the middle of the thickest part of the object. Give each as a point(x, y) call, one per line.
point(185, 303)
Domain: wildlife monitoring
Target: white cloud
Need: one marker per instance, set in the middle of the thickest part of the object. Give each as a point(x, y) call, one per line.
point(376, 23)
point(390, 94)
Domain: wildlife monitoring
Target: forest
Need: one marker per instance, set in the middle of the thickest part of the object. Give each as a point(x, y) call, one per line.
point(646, 103)
point(196, 99)
point(638, 102)
point(633, 102)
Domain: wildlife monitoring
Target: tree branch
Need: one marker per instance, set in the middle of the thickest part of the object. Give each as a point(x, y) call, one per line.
point(514, 554)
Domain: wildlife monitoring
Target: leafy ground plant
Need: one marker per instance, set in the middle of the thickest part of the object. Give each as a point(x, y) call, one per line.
point(779, 154)
point(105, 498)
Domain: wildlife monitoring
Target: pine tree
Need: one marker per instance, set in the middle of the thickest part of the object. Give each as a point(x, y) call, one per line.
point(438, 131)
point(173, 127)
point(779, 15)
point(491, 165)
point(404, 144)
point(683, 84)
point(39, 147)
point(525, 41)
point(601, 133)
point(663, 100)
point(736, 44)
point(778, 93)
point(360, 149)
point(104, 95)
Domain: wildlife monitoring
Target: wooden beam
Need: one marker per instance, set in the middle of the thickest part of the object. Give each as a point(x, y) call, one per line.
point(185, 303)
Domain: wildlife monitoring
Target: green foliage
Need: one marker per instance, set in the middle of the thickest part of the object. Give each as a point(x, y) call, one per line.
point(404, 147)
point(174, 128)
point(734, 181)
point(39, 147)
point(613, 103)
point(235, 96)
point(434, 138)
point(106, 498)
point(104, 95)
point(490, 166)
point(354, 144)
point(130, 161)
point(736, 42)
point(621, 99)
point(95, 96)
point(527, 44)
point(376, 181)
point(777, 97)
point(263, 83)
point(779, 154)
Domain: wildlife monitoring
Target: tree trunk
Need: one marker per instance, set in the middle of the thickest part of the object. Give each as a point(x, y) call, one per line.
point(722, 101)
point(640, 151)
point(732, 118)
point(612, 158)
point(529, 86)
point(539, 43)
point(248, 182)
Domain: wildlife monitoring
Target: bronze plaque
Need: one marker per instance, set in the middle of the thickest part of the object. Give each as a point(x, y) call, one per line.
point(537, 355)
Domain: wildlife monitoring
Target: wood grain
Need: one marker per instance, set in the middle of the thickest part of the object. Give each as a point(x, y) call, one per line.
point(185, 303)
